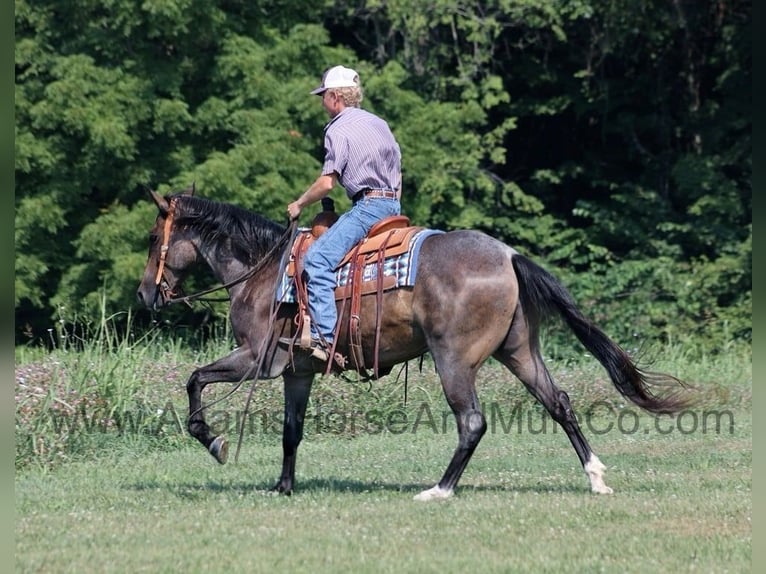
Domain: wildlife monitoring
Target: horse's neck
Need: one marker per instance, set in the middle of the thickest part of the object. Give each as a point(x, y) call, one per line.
point(225, 266)
point(222, 262)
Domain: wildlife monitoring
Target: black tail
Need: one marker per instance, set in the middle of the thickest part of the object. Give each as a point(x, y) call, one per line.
point(541, 294)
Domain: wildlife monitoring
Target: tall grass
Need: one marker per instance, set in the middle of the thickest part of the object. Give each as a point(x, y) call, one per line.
point(87, 386)
point(108, 385)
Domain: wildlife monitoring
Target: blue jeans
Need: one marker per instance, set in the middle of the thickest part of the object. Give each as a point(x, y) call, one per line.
point(326, 253)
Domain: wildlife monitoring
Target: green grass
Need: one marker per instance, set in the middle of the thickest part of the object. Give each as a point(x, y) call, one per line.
point(147, 498)
point(681, 503)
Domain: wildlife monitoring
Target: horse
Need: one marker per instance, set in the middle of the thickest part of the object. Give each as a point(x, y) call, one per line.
point(475, 297)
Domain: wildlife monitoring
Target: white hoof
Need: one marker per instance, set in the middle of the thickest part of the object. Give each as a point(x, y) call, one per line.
point(601, 489)
point(434, 493)
point(594, 468)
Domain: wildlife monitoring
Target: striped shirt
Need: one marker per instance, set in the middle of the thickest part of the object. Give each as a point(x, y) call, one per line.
point(361, 149)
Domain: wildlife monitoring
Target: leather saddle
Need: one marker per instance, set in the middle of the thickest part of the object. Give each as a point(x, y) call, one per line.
point(388, 238)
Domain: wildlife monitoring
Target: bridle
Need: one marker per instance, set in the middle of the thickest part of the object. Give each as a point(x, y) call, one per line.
point(160, 282)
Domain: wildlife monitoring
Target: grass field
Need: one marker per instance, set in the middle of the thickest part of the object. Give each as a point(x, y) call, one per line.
point(147, 498)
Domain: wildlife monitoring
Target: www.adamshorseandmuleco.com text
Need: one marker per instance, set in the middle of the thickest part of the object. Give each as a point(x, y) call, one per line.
point(598, 418)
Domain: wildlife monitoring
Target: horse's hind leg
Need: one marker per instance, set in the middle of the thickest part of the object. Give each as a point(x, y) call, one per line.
point(231, 368)
point(458, 382)
point(528, 366)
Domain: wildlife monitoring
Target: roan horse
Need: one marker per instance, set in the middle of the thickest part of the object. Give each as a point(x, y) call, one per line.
point(474, 298)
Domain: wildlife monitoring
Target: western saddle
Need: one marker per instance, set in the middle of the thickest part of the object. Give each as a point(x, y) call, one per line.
point(388, 238)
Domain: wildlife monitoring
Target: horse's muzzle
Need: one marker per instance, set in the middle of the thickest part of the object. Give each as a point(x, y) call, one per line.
point(155, 301)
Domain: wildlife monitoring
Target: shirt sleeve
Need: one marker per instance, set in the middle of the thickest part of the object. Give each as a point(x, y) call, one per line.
point(336, 154)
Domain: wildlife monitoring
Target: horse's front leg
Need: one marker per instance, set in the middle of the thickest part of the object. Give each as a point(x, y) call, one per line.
point(231, 368)
point(297, 390)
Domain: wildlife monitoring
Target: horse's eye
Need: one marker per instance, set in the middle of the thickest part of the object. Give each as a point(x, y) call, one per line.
point(153, 238)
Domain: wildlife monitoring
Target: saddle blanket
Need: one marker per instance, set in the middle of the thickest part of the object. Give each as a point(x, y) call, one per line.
point(403, 267)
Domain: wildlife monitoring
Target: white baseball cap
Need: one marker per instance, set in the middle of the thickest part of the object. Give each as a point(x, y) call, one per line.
point(337, 77)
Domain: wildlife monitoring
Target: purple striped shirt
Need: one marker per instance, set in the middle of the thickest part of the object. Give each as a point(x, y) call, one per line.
point(360, 147)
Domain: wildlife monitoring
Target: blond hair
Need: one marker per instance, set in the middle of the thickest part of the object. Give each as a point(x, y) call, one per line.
point(352, 97)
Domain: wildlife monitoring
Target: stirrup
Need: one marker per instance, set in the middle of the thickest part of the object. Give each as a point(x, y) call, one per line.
point(319, 350)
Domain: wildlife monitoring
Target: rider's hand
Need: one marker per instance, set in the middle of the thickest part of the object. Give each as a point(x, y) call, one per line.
point(293, 210)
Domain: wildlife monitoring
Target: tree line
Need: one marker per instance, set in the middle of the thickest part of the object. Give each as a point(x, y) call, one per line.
point(609, 139)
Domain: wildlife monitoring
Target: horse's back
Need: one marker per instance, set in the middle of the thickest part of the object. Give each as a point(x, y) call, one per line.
point(462, 256)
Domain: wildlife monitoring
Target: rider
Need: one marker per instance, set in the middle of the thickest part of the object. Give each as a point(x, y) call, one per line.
point(363, 156)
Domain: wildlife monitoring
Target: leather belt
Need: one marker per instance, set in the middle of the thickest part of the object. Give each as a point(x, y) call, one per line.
point(384, 193)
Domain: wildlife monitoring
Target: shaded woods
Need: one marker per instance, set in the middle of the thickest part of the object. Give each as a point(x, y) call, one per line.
point(609, 140)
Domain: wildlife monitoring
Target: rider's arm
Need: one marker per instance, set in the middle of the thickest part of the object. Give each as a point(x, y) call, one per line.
point(316, 191)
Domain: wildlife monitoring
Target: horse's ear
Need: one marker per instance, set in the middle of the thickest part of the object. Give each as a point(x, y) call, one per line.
point(161, 203)
point(190, 190)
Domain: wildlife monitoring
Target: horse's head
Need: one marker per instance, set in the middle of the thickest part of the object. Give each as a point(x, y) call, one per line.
point(171, 254)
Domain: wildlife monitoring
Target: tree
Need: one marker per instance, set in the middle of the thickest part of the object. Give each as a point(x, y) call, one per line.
point(610, 139)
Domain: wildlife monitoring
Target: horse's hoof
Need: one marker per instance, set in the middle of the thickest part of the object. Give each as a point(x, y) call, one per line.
point(280, 488)
point(435, 493)
point(219, 448)
point(602, 489)
point(594, 468)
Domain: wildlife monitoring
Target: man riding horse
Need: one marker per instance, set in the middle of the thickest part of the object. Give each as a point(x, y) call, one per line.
point(363, 156)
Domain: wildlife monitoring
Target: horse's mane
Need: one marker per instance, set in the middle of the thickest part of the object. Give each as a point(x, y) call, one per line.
point(250, 235)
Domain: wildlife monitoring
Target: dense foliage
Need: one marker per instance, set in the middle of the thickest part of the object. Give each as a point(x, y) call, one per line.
point(611, 139)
